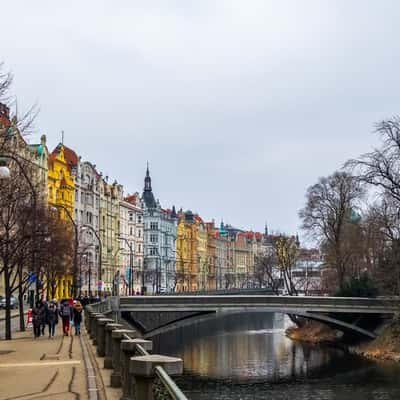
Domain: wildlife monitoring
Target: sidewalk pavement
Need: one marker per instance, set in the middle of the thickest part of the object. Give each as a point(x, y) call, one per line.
point(42, 368)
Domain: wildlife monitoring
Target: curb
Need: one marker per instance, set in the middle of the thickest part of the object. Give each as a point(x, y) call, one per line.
point(90, 373)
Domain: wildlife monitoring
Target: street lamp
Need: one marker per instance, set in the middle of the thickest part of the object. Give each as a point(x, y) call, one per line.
point(130, 287)
point(99, 272)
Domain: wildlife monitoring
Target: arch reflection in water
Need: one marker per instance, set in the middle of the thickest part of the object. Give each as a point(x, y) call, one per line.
point(246, 346)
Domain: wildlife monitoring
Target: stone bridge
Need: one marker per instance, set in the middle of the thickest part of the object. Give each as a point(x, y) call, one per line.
point(157, 314)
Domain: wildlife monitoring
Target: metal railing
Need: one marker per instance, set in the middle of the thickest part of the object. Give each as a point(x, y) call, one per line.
point(168, 388)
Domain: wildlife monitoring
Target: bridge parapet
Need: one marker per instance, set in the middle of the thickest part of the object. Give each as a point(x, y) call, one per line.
point(285, 304)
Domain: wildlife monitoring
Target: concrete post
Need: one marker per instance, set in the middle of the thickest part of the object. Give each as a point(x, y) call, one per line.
point(93, 329)
point(87, 312)
point(116, 337)
point(142, 370)
point(108, 345)
point(128, 349)
point(100, 337)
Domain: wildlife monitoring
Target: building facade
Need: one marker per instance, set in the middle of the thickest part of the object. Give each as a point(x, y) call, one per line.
point(131, 244)
point(109, 226)
point(61, 190)
point(86, 216)
point(159, 243)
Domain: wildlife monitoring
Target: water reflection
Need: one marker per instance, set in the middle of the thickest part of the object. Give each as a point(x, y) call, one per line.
point(242, 347)
point(247, 356)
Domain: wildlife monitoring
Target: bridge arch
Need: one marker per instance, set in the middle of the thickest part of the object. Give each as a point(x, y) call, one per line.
point(194, 318)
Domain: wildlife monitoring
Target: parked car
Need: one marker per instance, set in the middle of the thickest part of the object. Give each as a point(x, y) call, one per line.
point(13, 302)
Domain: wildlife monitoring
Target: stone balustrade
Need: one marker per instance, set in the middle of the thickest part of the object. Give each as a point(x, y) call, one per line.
point(126, 353)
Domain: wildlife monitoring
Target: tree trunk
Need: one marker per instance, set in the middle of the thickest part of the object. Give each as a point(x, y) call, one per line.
point(21, 309)
point(21, 300)
point(8, 300)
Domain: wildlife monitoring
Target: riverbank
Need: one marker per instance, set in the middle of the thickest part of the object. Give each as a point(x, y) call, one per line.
point(386, 346)
point(314, 332)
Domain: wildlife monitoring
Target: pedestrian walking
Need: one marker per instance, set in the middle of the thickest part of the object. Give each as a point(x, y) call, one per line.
point(52, 318)
point(45, 314)
point(65, 314)
point(77, 312)
point(38, 316)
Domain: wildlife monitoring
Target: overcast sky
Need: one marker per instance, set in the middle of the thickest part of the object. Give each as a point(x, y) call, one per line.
point(238, 106)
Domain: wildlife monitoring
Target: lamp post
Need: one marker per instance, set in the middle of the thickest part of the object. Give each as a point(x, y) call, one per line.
point(6, 175)
point(143, 288)
point(99, 272)
point(130, 287)
point(76, 244)
point(84, 254)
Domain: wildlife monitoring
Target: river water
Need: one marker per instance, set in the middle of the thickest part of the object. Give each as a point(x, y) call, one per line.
point(247, 356)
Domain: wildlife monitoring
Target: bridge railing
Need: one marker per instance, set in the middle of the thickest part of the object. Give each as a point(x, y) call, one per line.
point(141, 375)
point(290, 303)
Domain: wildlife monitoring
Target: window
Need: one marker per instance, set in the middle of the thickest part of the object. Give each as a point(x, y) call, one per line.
point(130, 231)
point(130, 216)
point(139, 233)
point(153, 251)
point(76, 195)
point(139, 219)
point(139, 248)
point(153, 238)
point(153, 226)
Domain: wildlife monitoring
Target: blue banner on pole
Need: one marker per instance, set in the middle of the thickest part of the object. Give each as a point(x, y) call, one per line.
point(31, 277)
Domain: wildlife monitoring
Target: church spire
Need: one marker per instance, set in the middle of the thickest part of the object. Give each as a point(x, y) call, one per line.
point(147, 180)
point(148, 196)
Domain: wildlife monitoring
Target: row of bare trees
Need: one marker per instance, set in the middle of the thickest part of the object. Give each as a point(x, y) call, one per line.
point(35, 244)
point(354, 215)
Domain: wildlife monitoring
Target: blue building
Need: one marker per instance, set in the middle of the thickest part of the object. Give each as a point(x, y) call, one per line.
point(159, 243)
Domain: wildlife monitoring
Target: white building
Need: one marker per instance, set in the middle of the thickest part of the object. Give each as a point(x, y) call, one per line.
point(86, 216)
point(131, 245)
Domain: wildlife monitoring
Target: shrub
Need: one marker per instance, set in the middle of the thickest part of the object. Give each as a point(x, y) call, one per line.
point(362, 286)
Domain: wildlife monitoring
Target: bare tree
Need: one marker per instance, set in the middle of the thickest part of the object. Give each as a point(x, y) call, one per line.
point(381, 167)
point(6, 79)
point(266, 272)
point(330, 207)
point(15, 218)
point(286, 252)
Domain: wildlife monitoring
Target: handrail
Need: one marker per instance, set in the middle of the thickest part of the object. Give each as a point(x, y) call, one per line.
point(169, 384)
point(171, 387)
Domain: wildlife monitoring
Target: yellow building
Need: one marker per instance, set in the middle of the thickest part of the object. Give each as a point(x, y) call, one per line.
point(202, 254)
point(186, 253)
point(212, 271)
point(61, 189)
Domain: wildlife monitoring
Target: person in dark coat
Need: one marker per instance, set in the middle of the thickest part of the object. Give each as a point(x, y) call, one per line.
point(44, 322)
point(77, 317)
point(65, 314)
point(38, 317)
point(52, 318)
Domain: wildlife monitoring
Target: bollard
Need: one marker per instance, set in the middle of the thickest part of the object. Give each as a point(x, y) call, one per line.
point(142, 370)
point(116, 337)
point(108, 345)
point(93, 327)
point(128, 349)
point(100, 337)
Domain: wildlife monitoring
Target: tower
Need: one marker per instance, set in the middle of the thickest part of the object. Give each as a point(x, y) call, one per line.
point(148, 196)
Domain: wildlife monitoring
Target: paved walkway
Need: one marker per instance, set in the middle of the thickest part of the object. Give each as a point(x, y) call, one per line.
point(42, 368)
